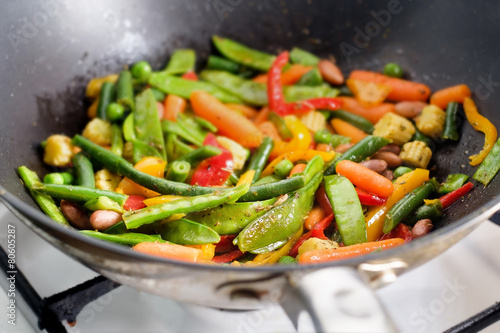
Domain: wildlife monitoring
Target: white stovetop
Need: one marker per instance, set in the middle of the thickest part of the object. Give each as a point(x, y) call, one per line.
point(452, 287)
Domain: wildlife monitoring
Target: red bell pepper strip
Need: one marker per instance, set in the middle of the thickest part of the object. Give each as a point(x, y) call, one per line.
point(134, 202)
point(277, 101)
point(323, 201)
point(226, 244)
point(400, 231)
point(190, 76)
point(213, 171)
point(318, 231)
point(450, 198)
point(228, 257)
point(369, 199)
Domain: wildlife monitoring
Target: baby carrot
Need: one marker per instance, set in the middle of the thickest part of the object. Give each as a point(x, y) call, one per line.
point(243, 109)
point(364, 178)
point(173, 106)
point(444, 96)
point(231, 124)
point(326, 255)
point(268, 129)
point(291, 76)
point(262, 115)
point(298, 168)
point(315, 215)
point(372, 114)
point(170, 251)
point(402, 90)
point(345, 129)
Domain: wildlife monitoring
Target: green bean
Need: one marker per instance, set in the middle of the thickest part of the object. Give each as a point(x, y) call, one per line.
point(116, 140)
point(490, 166)
point(84, 170)
point(243, 54)
point(280, 124)
point(260, 157)
point(53, 178)
point(173, 127)
point(181, 61)
point(450, 129)
point(206, 124)
point(233, 178)
point(408, 204)
point(125, 90)
point(453, 182)
point(77, 193)
point(178, 171)
point(218, 63)
point(255, 93)
point(365, 148)
point(175, 148)
point(401, 170)
point(105, 97)
point(353, 119)
point(117, 228)
point(300, 56)
point(147, 126)
point(267, 180)
point(431, 212)
point(187, 232)
point(183, 88)
point(419, 136)
point(130, 238)
point(135, 219)
point(196, 156)
point(311, 78)
point(103, 203)
point(283, 168)
point(159, 95)
point(46, 203)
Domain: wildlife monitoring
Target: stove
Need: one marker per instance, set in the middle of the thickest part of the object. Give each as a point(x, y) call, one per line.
point(439, 295)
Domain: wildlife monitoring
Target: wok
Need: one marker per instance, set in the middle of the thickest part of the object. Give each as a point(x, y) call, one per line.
point(50, 49)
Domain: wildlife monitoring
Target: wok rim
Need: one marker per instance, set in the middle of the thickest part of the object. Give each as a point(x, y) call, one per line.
point(37, 217)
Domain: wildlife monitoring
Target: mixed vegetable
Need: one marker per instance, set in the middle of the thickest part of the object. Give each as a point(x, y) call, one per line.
point(258, 159)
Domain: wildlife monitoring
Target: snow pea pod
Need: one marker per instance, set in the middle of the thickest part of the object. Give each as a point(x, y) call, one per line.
point(200, 154)
point(181, 61)
point(130, 238)
point(312, 78)
point(347, 209)
point(175, 147)
point(181, 87)
point(303, 57)
point(147, 126)
point(173, 127)
point(187, 232)
point(255, 93)
point(230, 219)
point(243, 54)
point(137, 218)
point(45, 202)
point(280, 222)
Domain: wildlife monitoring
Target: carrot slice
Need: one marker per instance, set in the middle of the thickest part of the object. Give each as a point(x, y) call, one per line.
point(170, 251)
point(346, 129)
point(364, 178)
point(231, 124)
point(262, 115)
point(327, 255)
point(173, 106)
point(243, 109)
point(269, 129)
point(297, 169)
point(372, 114)
point(401, 90)
point(315, 215)
point(444, 96)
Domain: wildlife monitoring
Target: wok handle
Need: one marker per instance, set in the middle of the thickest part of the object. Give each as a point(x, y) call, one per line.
point(338, 299)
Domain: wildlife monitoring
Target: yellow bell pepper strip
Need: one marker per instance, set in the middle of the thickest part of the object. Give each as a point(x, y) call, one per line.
point(161, 199)
point(208, 250)
point(376, 215)
point(274, 256)
point(482, 124)
point(152, 166)
point(246, 178)
point(300, 141)
point(294, 156)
